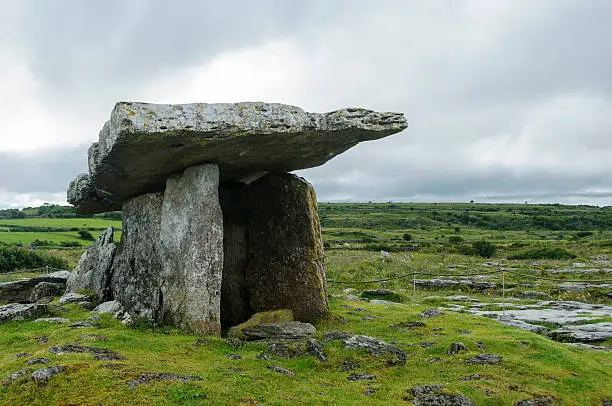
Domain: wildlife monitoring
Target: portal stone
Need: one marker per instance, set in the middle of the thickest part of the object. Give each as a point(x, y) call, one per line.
point(136, 279)
point(191, 247)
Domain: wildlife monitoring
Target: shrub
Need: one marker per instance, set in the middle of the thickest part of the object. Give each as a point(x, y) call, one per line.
point(407, 237)
point(86, 235)
point(483, 249)
point(581, 234)
point(12, 258)
point(544, 253)
point(455, 239)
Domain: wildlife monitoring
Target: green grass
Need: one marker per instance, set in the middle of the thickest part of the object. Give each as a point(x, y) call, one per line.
point(93, 222)
point(533, 365)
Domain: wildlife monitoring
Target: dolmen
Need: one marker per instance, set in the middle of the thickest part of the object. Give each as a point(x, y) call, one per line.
point(215, 227)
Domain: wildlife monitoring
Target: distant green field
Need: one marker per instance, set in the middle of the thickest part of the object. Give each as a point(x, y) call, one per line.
point(26, 238)
point(63, 223)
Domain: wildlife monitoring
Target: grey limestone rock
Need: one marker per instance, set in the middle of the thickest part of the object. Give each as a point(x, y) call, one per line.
point(525, 326)
point(142, 144)
point(485, 359)
point(18, 311)
point(92, 273)
point(21, 291)
point(147, 377)
point(16, 377)
point(285, 267)
point(583, 333)
point(292, 330)
point(114, 308)
point(44, 374)
point(72, 297)
point(45, 290)
point(434, 395)
point(431, 313)
point(536, 402)
point(136, 272)
point(191, 244)
point(456, 348)
point(54, 320)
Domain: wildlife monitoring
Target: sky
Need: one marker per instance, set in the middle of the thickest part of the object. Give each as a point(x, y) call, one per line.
point(506, 100)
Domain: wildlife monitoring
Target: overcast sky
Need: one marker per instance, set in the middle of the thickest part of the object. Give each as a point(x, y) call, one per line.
point(506, 100)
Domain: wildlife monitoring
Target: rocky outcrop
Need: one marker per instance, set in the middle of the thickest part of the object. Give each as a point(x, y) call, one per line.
point(92, 273)
point(143, 144)
point(21, 291)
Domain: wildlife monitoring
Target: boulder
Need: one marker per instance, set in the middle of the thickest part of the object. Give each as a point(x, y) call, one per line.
point(92, 273)
point(21, 291)
point(142, 144)
point(72, 297)
point(46, 290)
point(585, 333)
point(290, 330)
point(18, 311)
point(272, 316)
point(115, 309)
point(436, 395)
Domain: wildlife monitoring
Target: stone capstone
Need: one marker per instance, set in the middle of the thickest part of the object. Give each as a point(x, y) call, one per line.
point(92, 273)
point(143, 144)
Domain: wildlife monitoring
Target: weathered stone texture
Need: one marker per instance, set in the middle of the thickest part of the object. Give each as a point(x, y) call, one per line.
point(137, 267)
point(191, 242)
point(92, 273)
point(142, 144)
point(21, 291)
point(286, 266)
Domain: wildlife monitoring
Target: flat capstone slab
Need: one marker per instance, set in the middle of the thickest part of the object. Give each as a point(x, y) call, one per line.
point(143, 144)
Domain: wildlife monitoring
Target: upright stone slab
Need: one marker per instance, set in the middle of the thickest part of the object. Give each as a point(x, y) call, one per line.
point(92, 273)
point(136, 278)
point(286, 268)
point(191, 247)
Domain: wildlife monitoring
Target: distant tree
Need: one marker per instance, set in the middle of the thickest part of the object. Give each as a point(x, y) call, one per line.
point(455, 239)
point(483, 248)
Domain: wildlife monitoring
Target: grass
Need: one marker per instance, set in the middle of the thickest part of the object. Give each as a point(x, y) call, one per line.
point(532, 365)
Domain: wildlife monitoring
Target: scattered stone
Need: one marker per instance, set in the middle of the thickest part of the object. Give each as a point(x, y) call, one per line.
point(456, 348)
point(202, 340)
point(590, 347)
point(25, 290)
point(287, 348)
point(427, 344)
point(54, 320)
point(434, 395)
point(525, 326)
point(531, 294)
point(360, 377)
point(369, 391)
point(382, 294)
point(431, 313)
point(43, 375)
point(97, 337)
point(43, 340)
point(408, 324)
point(100, 354)
point(462, 298)
point(151, 376)
point(536, 402)
point(292, 330)
point(84, 324)
point(606, 402)
point(370, 317)
point(235, 357)
point(92, 273)
point(485, 359)
point(585, 333)
point(434, 360)
point(376, 347)
point(480, 345)
point(19, 311)
point(315, 348)
point(35, 361)
point(46, 291)
point(472, 377)
point(16, 376)
point(280, 370)
point(73, 297)
point(272, 316)
point(464, 333)
point(116, 309)
point(86, 305)
point(21, 355)
point(95, 318)
point(349, 365)
point(337, 335)
point(264, 356)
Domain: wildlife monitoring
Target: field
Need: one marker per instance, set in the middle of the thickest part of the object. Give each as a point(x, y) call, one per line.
point(533, 252)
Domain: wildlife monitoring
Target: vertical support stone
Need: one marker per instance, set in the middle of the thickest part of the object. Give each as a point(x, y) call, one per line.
point(286, 267)
point(191, 247)
point(137, 268)
point(235, 307)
